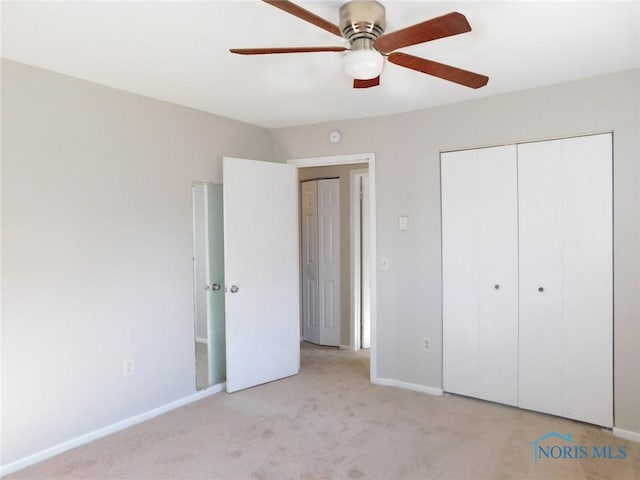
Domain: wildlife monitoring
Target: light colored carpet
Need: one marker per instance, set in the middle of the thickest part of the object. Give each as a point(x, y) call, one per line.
point(329, 422)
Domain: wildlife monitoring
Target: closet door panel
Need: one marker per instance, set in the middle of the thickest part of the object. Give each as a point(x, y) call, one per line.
point(329, 261)
point(480, 313)
point(460, 272)
point(497, 251)
point(588, 279)
point(540, 262)
point(310, 290)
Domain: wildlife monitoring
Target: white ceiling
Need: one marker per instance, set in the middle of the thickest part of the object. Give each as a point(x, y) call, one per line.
point(178, 52)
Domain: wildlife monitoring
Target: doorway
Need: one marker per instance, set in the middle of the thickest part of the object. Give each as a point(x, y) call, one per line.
point(361, 300)
point(251, 281)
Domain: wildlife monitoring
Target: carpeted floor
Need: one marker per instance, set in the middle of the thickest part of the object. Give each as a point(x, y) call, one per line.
point(329, 422)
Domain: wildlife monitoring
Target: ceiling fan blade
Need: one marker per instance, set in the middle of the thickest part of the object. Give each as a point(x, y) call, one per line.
point(374, 82)
point(305, 15)
point(450, 24)
point(440, 70)
point(267, 51)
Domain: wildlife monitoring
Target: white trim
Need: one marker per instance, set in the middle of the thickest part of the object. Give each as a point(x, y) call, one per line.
point(389, 382)
point(332, 160)
point(626, 434)
point(355, 232)
point(370, 159)
point(108, 430)
point(202, 340)
point(531, 140)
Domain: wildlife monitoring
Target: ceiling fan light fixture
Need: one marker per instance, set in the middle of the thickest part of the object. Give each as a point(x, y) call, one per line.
point(363, 64)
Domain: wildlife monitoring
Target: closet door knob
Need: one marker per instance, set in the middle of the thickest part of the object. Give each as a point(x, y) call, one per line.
point(541, 289)
point(496, 286)
point(234, 289)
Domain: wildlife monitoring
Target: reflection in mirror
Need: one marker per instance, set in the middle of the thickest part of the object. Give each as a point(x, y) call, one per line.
point(208, 268)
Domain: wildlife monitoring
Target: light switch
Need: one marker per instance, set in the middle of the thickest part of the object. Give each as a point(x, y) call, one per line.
point(403, 223)
point(384, 263)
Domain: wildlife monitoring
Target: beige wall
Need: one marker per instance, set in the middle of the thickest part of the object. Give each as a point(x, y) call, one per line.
point(342, 173)
point(96, 251)
point(407, 150)
point(96, 236)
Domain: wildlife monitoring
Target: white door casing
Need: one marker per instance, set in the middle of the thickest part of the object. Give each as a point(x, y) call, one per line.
point(262, 263)
point(365, 274)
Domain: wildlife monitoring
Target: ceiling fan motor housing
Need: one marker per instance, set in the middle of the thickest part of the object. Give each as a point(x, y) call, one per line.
point(361, 22)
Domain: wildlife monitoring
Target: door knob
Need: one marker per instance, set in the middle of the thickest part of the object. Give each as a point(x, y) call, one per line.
point(540, 289)
point(215, 287)
point(234, 288)
point(496, 286)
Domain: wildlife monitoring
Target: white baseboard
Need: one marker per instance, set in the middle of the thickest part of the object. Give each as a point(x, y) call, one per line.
point(626, 434)
point(389, 382)
point(109, 429)
point(201, 340)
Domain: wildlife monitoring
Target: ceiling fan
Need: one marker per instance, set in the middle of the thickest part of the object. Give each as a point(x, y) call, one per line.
point(362, 23)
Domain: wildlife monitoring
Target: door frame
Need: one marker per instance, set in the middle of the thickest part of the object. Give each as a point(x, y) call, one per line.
point(369, 159)
point(355, 177)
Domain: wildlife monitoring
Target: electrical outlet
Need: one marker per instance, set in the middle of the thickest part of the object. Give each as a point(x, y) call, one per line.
point(427, 344)
point(128, 367)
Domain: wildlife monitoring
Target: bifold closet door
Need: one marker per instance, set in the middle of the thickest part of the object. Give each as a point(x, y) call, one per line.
point(309, 220)
point(566, 283)
point(480, 273)
point(321, 261)
point(329, 261)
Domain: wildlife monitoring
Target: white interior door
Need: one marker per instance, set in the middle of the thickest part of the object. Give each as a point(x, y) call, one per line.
point(459, 273)
point(329, 261)
point(541, 285)
point(309, 217)
point(480, 273)
point(497, 215)
point(566, 300)
point(588, 279)
point(261, 272)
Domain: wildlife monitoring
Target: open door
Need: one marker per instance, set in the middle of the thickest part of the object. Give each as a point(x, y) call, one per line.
point(261, 272)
